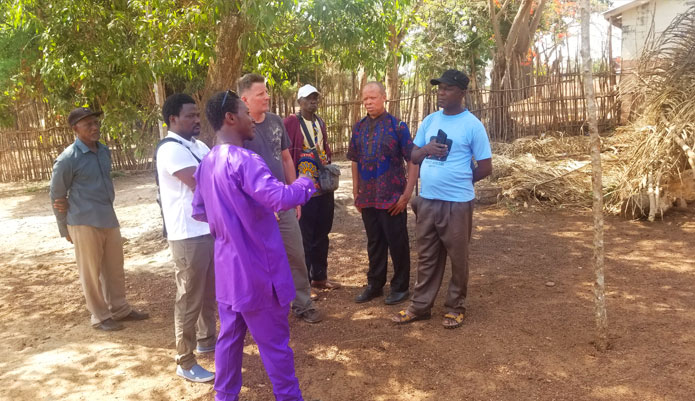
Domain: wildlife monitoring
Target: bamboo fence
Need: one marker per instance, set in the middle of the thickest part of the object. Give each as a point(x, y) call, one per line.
point(553, 102)
point(556, 103)
point(29, 155)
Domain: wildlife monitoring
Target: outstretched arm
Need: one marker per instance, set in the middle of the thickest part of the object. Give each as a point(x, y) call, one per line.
point(258, 182)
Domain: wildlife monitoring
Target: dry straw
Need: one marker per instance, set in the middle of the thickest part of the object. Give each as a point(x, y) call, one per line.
point(552, 169)
point(662, 138)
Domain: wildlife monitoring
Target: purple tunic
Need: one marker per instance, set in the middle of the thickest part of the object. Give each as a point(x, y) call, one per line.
point(237, 194)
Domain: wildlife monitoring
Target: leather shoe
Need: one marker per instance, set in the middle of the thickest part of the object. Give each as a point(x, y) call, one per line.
point(326, 285)
point(109, 325)
point(396, 297)
point(134, 315)
point(368, 294)
point(311, 316)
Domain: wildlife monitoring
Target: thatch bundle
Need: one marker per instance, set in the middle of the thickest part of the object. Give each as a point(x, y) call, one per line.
point(525, 178)
point(552, 169)
point(663, 137)
point(551, 145)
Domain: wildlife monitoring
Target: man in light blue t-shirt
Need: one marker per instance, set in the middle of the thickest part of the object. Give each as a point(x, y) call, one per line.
point(446, 143)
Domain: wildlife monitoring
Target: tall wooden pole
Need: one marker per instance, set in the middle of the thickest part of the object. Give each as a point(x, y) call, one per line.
point(601, 342)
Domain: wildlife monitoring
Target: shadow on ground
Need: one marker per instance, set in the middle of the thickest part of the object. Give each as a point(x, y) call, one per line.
point(524, 338)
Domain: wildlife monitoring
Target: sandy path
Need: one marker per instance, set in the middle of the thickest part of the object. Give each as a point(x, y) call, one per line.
point(522, 340)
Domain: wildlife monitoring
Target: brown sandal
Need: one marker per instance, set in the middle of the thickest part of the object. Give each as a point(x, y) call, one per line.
point(404, 317)
point(453, 320)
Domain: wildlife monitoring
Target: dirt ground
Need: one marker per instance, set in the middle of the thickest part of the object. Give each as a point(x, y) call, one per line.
point(523, 339)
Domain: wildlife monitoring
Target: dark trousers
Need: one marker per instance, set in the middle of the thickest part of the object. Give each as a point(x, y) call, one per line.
point(316, 223)
point(387, 233)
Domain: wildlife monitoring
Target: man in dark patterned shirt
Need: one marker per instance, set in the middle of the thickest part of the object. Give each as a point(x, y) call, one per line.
point(379, 147)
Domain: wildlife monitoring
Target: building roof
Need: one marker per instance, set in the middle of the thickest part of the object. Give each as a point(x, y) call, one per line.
point(614, 14)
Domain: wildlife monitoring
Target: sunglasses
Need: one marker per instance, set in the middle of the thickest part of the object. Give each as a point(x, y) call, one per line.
point(226, 94)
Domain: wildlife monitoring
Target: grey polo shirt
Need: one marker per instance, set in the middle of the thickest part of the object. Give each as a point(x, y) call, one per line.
point(84, 177)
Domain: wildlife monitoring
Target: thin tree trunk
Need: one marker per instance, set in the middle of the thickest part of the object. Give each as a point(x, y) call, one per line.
point(392, 80)
point(508, 52)
point(601, 342)
point(159, 97)
point(224, 70)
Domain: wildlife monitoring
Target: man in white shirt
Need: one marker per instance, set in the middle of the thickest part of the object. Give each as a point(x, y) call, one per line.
point(192, 247)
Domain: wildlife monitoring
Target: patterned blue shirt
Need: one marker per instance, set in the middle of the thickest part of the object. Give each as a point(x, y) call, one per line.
point(380, 146)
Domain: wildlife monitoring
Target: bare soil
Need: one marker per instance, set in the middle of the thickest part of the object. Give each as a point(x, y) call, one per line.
point(525, 338)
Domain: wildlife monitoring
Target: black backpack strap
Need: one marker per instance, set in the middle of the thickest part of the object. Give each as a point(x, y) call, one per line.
point(156, 175)
point(154, 158)
point(162, 142)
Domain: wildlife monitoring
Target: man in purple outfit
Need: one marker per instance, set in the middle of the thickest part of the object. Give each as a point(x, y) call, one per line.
point(237, 195)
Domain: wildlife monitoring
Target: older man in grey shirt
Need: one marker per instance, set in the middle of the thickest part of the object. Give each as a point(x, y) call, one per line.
point(82, 194)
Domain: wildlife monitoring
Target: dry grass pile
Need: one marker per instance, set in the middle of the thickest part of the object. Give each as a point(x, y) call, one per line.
point(548, 146)
point(662, 139)
point(525, 178)
point(552, 168)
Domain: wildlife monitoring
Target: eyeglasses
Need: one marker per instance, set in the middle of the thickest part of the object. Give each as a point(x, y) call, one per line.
point(224, 100)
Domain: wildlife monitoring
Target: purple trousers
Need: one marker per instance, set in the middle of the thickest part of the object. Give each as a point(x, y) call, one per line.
point(271, 331)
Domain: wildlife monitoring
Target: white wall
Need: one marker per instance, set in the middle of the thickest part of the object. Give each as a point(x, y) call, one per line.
point(638, 21)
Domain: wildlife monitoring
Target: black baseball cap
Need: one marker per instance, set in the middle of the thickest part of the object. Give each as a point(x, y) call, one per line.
point(452, 77)
point(80, 113)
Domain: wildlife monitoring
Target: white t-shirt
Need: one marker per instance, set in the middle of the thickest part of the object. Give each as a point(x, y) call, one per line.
point(176, 196)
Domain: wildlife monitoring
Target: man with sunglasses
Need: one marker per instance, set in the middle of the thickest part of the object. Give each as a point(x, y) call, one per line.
point(237, 195)
point(82, 195)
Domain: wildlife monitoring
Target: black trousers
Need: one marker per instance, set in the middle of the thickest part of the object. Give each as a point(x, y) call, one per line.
point(387, 233)
point(316, 223)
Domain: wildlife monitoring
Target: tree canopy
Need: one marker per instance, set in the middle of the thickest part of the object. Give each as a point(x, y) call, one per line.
point(110, 54)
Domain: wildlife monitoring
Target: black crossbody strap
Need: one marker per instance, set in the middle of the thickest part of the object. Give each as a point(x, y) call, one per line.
point(311, 142)
point(162, 142)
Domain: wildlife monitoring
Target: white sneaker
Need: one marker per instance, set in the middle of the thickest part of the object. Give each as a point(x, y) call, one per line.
point(195, 374)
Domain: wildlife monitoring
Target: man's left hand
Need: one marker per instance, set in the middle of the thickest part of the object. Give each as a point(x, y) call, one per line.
point(399, 206)
point(61, 205)
point(299, 212)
